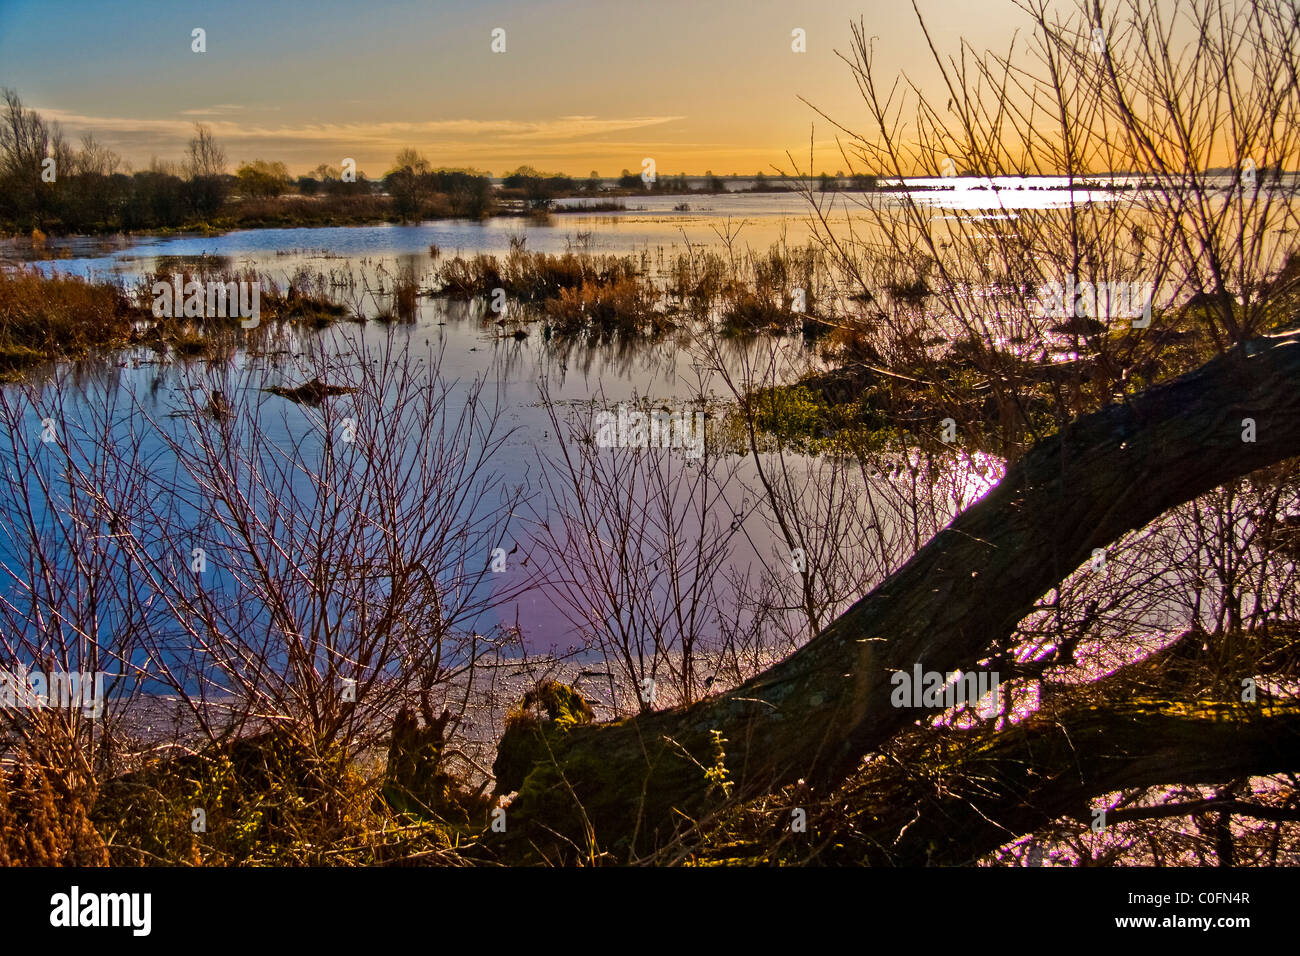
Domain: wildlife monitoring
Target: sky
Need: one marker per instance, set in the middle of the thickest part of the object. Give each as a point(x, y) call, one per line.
point(582, 85)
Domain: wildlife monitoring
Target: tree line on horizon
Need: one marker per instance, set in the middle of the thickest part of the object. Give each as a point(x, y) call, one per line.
point(48, 184)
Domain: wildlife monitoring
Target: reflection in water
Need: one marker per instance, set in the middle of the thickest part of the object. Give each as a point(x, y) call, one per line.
point(540, 380)
point(757, 220)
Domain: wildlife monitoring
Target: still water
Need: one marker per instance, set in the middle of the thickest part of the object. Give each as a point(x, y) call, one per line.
point(672, 372)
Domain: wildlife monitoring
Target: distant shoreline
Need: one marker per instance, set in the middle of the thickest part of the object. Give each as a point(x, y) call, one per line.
point(293, 210)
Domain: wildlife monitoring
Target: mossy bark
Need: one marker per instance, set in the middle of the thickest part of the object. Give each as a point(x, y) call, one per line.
point(816, 714)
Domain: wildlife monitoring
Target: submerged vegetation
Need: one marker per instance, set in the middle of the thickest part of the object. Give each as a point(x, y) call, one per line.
point(574, 294)
point(608, 295)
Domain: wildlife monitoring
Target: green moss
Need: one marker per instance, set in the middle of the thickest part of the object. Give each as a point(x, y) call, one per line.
point(529, 737)
point(600, 788)
point(801, 418)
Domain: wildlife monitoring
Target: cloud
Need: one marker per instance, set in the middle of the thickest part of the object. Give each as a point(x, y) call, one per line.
point(567, 139)
point(218, 109)
point(363, 134)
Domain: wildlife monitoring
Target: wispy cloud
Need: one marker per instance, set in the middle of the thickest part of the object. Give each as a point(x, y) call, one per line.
point(563, 141)
point(218, 109)
point(377, 133)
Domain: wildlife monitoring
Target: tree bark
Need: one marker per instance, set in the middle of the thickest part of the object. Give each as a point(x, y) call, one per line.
point(817, 713)
point(959, 799)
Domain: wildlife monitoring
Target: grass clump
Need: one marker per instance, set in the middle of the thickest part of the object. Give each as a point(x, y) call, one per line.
point(532, 276)
point(60, 316)
point(812, 419)
point(44, 817)
point(624, 307)
point(580, 293)
point(271, 799)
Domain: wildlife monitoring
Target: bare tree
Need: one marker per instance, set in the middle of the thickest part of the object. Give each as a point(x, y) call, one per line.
point(205, 157)
point(24, 138)
point(305, 561)
point(630, 545)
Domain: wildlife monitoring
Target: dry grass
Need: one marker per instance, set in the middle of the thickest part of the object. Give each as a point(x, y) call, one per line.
point(45, 810)
point(533, 276)
point(624, 307)
point(59, 317)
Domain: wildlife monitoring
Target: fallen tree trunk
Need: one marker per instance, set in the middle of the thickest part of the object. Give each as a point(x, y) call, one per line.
point(920, 809)
point(626, 786)
point(941, 795)
point(947, 796)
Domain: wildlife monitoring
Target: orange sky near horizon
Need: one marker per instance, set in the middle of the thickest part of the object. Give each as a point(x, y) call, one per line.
point(581, 85)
